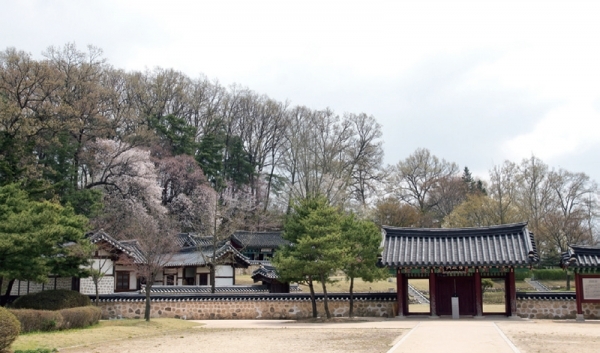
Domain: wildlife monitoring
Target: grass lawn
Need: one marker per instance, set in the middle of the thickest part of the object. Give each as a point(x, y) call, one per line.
point(558, 285)
point(105, 331)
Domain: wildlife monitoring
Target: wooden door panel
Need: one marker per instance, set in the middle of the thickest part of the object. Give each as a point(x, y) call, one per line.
point(464, 288)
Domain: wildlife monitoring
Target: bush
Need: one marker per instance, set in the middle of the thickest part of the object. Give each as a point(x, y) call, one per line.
point(80, 317)
point(550, 274)
point(52, 300)
point(9, 329)
point(38, 320)
point(521, 274)
point(39, 350)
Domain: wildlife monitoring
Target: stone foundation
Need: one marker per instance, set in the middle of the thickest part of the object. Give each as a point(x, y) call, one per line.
point(242, 309)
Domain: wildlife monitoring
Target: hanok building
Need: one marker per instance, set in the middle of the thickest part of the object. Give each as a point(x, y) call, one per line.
point(455, 261)
point(259, 246)
point(584, 261)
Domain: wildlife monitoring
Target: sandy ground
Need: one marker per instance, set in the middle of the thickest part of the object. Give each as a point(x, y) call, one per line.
point(367, 336)
point(553, 336)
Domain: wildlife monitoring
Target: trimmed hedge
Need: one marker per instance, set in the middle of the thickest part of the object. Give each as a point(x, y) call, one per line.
point(520, 274)
point(52, 300)
point(45, 320)
point(550, 274)
point(38, 320)
point(9, 329)
point(80, 317)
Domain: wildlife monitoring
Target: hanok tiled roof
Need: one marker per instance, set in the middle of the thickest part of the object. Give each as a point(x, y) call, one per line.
point(130, 248)
point(258, 240)
point(581, 256)
point(509, 244)
point(191, 240)
point(199, 256)
point(264, 272)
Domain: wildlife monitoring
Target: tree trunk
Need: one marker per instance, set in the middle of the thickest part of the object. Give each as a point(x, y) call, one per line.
point(97, 291)
point(4, 299)
point(212, 278)
point(325, 304)
point(147, 311)
point(351, 310)
point(312, 297)
point(568, 280)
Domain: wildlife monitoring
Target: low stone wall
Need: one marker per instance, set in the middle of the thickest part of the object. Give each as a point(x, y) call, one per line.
point(546, 309)
point(241, 309)
point(555, 309)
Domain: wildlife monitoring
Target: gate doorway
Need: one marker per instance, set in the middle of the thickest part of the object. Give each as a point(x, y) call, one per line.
point(461, 286)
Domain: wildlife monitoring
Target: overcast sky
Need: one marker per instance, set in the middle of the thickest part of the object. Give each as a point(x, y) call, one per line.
point(475, 82)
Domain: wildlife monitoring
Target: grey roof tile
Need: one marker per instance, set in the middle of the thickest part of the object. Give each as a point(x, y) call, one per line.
point(501, 245)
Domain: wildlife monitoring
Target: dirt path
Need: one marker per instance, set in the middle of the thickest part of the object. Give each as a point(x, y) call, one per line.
point(374, 336)
point(209, 340)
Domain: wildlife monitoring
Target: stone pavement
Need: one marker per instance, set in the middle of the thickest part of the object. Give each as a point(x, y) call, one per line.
point(454, 336)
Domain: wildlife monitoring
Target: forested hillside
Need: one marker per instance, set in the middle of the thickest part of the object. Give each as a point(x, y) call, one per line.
point(130, 149)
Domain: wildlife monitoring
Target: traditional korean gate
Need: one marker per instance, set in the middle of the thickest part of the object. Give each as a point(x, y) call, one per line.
point(463, 286)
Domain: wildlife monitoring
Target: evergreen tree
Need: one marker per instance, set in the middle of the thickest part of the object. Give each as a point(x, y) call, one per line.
point(39, 238)
point(314, 229)
point(361, 242)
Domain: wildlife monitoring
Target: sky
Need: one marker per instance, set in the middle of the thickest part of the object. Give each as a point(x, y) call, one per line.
point(475, 82)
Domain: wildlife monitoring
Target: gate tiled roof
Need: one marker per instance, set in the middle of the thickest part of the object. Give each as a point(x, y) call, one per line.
point(581, 256)
point(503, 245)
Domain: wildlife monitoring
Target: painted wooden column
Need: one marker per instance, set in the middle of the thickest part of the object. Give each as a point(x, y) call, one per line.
point(579, 296)
point(512, 293)
point(478, 295)
point(400, 294)
point(432, 298)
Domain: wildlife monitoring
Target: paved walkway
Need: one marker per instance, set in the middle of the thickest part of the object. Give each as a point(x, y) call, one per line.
point(459, 336)
point(418, 334)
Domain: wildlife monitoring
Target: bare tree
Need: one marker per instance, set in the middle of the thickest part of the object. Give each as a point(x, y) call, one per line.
point(414, 179)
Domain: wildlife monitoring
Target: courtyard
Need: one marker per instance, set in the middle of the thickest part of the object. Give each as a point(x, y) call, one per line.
point(490, 335)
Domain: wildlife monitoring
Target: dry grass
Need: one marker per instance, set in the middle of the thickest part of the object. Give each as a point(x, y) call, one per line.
point(105, 331)
point(558, 285)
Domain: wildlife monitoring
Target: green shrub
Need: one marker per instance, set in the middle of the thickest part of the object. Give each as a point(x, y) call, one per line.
point(9, 329)
point(52, 300)
point(80, 317)
point(549, 274)
point(38, 320)
point(39, 350)
point(521, 274)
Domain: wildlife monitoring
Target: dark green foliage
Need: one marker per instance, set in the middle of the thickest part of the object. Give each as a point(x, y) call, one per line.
point(80, 317)
point(175, 134)
point(38, 320)
point(473, 186)
point(9, 329)
point(52, 300)
point(39, 350)
point(39, 238)
point(549, 274)
point(521, 274)
point(486, 284)
point(223, 158)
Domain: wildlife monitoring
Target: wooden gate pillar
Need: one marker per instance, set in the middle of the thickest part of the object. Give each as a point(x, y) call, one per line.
point(400, 293)
point(511, 293)
point(478, 295)
point(432, 297)
point(579, 296)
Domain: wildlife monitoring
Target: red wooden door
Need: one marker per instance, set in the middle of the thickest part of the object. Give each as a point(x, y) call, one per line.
point(464, 287)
